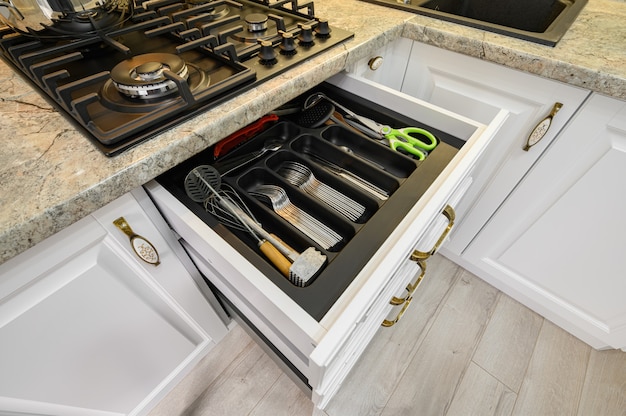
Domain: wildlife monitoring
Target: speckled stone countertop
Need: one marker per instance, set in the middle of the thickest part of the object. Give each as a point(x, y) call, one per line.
point(52, 176)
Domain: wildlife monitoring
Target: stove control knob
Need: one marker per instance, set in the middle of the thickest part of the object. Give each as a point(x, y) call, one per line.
point(322, 30)
point(306, 38)
point(267, 54)
point(288, 44)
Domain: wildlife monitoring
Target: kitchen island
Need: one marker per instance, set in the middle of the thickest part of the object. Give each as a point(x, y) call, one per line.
point(52, 175)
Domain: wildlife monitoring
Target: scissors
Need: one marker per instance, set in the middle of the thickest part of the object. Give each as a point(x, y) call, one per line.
point(409, 139)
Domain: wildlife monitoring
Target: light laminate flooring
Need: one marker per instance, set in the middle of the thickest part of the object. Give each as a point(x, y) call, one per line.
point(462, 348)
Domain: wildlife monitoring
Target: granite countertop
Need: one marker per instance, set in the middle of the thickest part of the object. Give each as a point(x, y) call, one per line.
point(52, 175)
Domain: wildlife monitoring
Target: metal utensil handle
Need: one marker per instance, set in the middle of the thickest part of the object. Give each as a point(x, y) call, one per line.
point(255, 229)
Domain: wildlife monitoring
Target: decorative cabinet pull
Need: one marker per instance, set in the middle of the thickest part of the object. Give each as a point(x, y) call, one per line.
point(388, 323)
point(142, 247)
point(449, 213)
point(542, 127)
point(411, 287)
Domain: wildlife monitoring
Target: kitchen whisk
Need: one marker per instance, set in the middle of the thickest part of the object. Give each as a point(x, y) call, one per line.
point(203, 184)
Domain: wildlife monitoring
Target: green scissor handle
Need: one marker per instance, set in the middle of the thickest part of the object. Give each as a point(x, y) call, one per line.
point(405, 139)
point(396, 144)
point(408, 134)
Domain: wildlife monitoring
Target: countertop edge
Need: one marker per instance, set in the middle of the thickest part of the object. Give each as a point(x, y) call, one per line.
point(541, 65)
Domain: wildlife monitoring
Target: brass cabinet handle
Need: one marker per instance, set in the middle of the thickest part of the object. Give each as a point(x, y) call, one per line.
point(142, 247)
point(449, 213)
point(410, 288)
point(387, 323)
point(542, 127)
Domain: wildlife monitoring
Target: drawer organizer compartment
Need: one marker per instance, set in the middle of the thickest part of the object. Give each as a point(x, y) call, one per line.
point(328, 188)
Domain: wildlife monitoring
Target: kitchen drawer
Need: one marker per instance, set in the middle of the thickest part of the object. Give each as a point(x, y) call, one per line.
point(394, 299)
point(435, 236)
point(319, 331)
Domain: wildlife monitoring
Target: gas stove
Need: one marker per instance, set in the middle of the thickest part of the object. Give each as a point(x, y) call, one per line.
point(169, 61)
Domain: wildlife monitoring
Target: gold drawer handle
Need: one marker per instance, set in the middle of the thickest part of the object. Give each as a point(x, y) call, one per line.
point(449, 213)
point(142, 247)
point(387, 323)
point(410, 288)
point(541, 128)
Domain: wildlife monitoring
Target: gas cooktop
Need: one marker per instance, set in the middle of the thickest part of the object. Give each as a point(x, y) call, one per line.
point(171, 60)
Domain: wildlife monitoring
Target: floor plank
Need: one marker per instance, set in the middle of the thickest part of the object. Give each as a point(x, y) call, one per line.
point(431, 378)
point(604, 391)
point(284, 399)
point(240, 387)
point(481, 394)
point(555, 375)
point(368, 387)
point(508, 342)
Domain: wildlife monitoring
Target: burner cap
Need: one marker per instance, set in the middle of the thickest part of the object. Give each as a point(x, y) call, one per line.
point(215, 13)
point(142, 76)
point(257, 22)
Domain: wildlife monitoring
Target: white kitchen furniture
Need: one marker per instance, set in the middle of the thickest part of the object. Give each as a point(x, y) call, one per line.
point(89, 328)
point(320, 353)
point(540, 224)
point(479, 90)
point(558, 240)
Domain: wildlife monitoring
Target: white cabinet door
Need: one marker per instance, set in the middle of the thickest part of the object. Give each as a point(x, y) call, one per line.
point(479, 90)
point(87, 328)
point(557, 243)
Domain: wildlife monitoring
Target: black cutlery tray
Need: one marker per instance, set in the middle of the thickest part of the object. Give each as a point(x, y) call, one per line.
point(402, 177)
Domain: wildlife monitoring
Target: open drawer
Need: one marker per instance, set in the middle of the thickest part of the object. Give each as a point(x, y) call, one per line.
point(320, 329)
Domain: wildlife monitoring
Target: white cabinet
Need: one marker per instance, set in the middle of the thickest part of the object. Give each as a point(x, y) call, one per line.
point(324, 350)
point(557, 243)
point(87, 328)
point(542, 225)
point(479, 90)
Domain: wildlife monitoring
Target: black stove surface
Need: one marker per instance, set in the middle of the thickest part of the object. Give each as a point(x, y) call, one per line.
point(170, 61)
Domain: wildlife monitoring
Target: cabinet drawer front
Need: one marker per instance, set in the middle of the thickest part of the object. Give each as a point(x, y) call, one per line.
point(362, 333)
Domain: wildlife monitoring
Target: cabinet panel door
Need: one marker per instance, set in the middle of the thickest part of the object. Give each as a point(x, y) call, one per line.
point(86, 328)
point(557, 244)
point(478, 90)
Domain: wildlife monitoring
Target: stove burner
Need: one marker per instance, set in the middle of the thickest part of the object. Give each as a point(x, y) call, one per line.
point(143, 76)
point(69, 24)
point(86, 15)
point(257, 22)
point(218, 12)
point(126, 71)
point(112, 98)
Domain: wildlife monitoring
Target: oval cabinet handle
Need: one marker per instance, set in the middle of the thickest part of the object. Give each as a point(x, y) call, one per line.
point(141, 246)
point(449, 213)
point(542, 127)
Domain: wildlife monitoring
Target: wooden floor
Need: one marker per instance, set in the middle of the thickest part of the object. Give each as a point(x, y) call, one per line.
point(462, 348)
